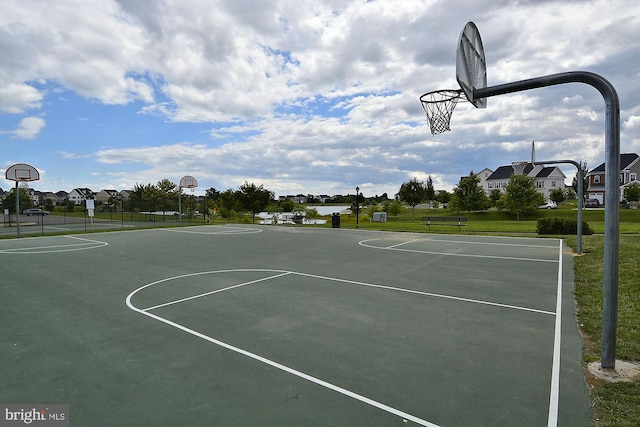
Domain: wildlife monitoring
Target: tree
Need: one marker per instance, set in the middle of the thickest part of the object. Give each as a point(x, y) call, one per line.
point(443, 196)
point(254, 198)
point(468, 195)
point(431, 192)
point(189, 205)
point(412, 193)
point(9, 201)
point(48, 205)
point(557, 195)
point(632, 192)
point(114, 202)
point(286, 205)
point(494, 196)
point(371, 210)
point(392, 208)
point(147, 197)
point(167, 193)
point(213, 194)
point(228, 203)
point(520, 196)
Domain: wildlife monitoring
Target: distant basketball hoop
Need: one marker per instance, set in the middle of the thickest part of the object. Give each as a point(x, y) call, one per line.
point(22, 172)
point(188, 182)
point(519, 167)
point(185, 182)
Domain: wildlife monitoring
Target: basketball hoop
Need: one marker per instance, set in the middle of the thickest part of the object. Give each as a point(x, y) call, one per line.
point(185, 182)
point(22, 172)
point(439, 105)
point(519, 167)
point(188, 182)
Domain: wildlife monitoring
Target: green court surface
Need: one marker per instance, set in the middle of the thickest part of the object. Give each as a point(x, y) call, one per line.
point(287, 326)
point(62, 224)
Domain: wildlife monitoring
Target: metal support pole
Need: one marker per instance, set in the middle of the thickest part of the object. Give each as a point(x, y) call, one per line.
point(180, 204)
point(17, 210)
point(612, 189)
point(580, 185)
point(357, 207)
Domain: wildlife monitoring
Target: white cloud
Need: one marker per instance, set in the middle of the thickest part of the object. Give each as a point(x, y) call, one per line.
point(633, 123)
point(317, 97)
point(16, 98)
point(29, 128)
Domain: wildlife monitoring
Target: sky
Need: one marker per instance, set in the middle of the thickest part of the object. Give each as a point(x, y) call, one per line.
point(301, 97)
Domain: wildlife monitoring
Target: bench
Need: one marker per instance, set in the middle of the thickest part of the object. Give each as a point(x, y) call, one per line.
point(457, 221)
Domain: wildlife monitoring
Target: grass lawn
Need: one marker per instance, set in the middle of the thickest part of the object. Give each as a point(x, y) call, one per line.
point(613, 404)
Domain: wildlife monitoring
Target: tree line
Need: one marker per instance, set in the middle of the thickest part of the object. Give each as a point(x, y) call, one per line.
point(519, 198)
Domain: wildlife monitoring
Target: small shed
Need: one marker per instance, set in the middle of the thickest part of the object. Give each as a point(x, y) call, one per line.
point(379, 217)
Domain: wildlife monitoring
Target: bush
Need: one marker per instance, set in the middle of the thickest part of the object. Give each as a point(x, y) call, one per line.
point(561, 226)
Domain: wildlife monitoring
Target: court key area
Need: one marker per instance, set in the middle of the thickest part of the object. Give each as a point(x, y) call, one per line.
point(273, 326)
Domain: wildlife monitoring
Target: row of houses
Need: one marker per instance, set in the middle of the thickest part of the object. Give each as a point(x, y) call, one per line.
point(548, 178)
point(77, 196)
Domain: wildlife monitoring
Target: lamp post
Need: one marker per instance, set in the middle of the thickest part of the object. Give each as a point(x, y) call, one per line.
point(357, 206)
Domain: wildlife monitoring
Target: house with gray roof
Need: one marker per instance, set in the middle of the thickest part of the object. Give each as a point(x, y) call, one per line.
point(79, 195)
point(629, 173)
point(547, 178)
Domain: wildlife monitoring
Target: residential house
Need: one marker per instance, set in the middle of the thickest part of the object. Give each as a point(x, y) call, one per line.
point(103, 196)
point(629, 173)
point(43, 196)
point(35, 196)
point(483, 175)
point(547, 178)
point(61, 197)
point(79, 195)
point(300, 198)
point(125, 194)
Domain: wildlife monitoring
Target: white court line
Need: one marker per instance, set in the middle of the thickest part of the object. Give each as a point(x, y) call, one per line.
point(218, 230)
point(470, 242)
point(401, 244)
point(90, 244)
point(405, 416)
point(335, 279)
point(428, 294)
point(287, 369)
point(86, 240)
point(554, 395)
point(365, 244)
point(216, 291)
point(57, 228)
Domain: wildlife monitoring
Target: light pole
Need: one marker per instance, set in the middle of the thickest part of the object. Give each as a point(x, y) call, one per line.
point(357, 206)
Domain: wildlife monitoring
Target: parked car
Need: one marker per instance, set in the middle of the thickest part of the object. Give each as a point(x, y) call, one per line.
point(548, 205)
point(592, 203)
point(34, 211)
